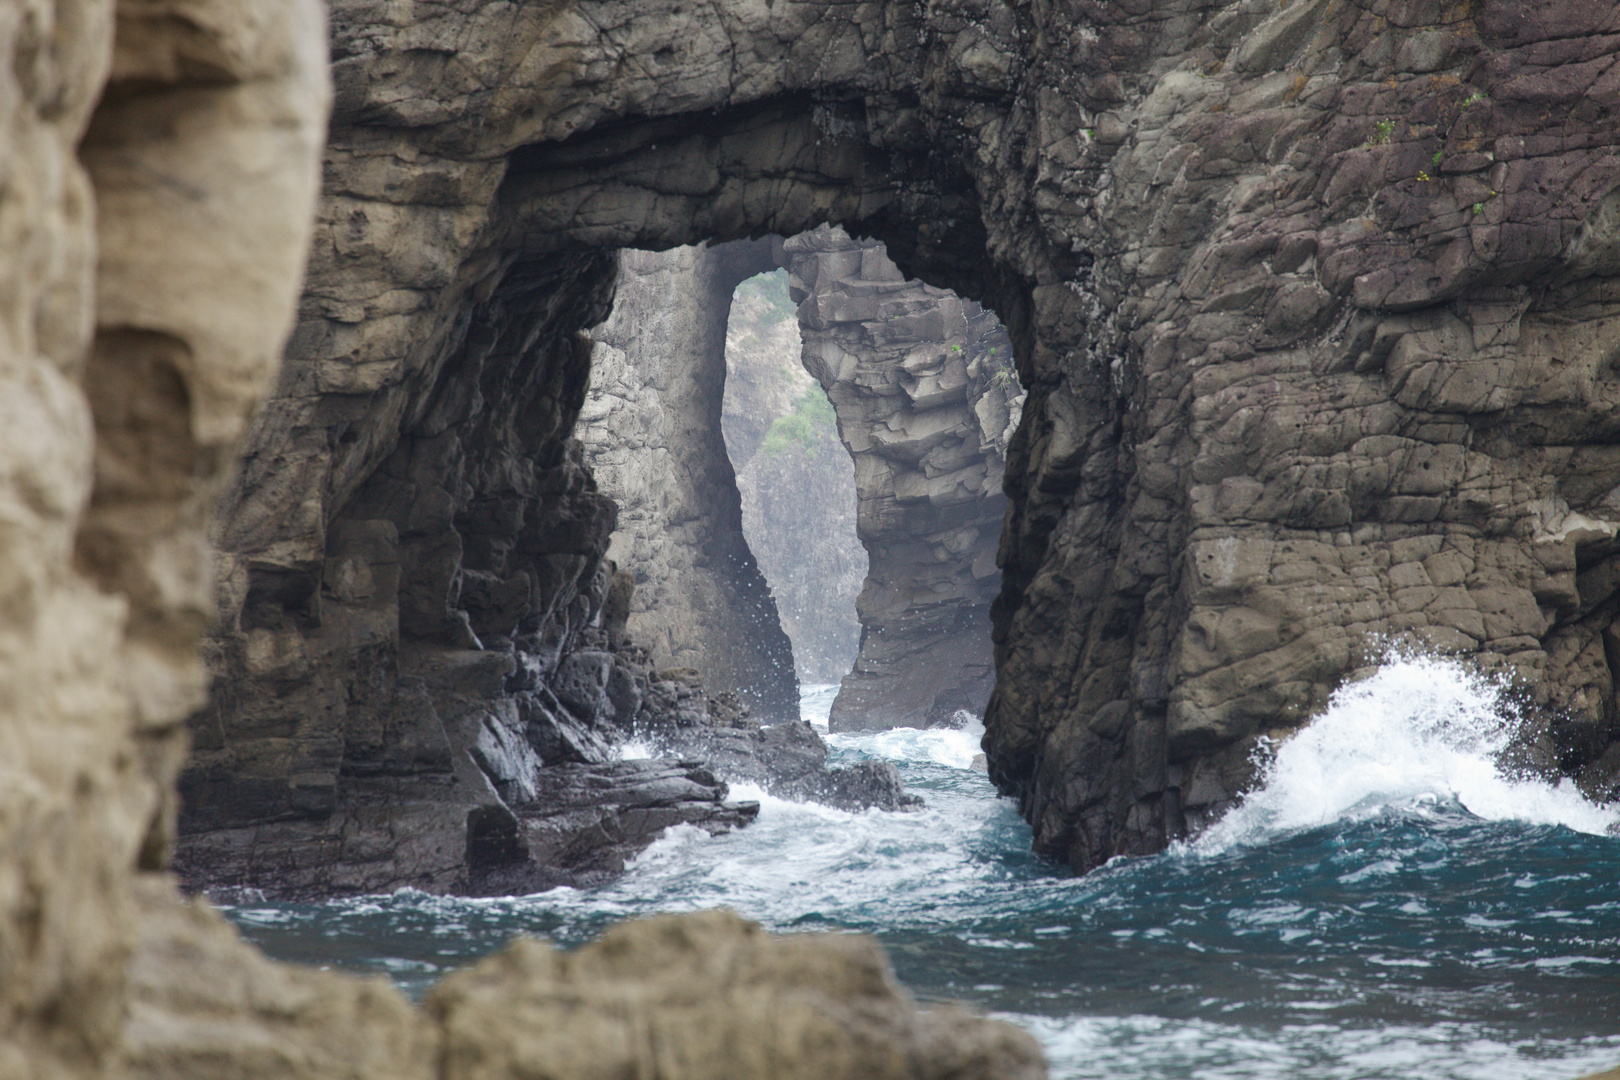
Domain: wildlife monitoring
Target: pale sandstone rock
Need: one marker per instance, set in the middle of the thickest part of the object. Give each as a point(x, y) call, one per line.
point(146, 294)
point(699, 996)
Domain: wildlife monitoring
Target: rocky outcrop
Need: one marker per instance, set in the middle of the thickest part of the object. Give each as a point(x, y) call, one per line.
point(711, 995)
point(1334, 374)
point(927, 397)
point(797, 486)
point(680, 997)
point(1309, 305)
point(651, 427)
point(160, 176)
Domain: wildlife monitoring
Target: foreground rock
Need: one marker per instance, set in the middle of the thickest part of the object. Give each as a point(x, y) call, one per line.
point(679, 997)
point(153, 227)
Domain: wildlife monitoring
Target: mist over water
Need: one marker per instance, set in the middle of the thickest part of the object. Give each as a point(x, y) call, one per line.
point(1390, 902)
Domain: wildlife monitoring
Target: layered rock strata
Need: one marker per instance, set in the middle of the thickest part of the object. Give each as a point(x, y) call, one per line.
point(927, 398)
point(1310, 305)
point(652, 431)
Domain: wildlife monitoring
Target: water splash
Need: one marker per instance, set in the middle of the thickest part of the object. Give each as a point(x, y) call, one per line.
point(1420, 731)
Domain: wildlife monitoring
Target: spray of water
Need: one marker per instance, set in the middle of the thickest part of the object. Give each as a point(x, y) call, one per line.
point(1421, 730)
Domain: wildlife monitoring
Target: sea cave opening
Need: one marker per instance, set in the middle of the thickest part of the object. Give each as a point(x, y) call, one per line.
point(851, 490)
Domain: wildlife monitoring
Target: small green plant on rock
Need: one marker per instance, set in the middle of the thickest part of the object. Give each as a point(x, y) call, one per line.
point(1381, 132)
point(811, 420)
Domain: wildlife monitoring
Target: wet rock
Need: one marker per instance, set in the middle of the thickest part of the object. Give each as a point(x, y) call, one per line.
point(787, 759)
point(583, 822)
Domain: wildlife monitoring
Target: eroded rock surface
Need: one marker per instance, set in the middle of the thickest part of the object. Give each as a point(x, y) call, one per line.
point(651, 427)
point(159, 178)
point(692, 997)
point(1311, 305)
point(927, 397)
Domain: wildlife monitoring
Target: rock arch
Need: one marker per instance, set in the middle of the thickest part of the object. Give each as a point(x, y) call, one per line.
point(1316, 317)
point(925, 398)
point(412, 576)
point(1097, 184)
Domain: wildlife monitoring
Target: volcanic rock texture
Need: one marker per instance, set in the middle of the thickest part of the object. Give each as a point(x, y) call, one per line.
point(651, 428)
point(927, 398)
point(1312, 303)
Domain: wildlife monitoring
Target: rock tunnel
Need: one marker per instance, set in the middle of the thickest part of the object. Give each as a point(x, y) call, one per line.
point(921, 387)
point(412, 537)
point(1315, 319)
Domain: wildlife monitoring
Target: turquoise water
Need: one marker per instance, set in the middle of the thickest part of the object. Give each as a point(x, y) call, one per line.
point(1388, 904)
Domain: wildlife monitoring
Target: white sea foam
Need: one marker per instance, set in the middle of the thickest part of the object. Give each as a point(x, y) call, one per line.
point(636, 750)
point(815, 702)
point(1092, 1048)
point(1418, 730)
point(955, 747)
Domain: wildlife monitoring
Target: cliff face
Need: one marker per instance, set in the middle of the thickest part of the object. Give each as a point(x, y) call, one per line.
point(926, 397)
point(1312, 310)
point(651, 428)
point(1337, 372)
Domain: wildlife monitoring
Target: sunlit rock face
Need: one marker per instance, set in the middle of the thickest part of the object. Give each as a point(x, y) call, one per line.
point(926, 397)
point(159, 178)
point(1313, 312)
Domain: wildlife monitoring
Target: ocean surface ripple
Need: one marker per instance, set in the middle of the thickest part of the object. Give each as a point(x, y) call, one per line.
point(1390, 902)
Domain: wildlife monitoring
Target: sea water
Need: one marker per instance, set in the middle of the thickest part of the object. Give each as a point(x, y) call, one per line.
point(1390, 902)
